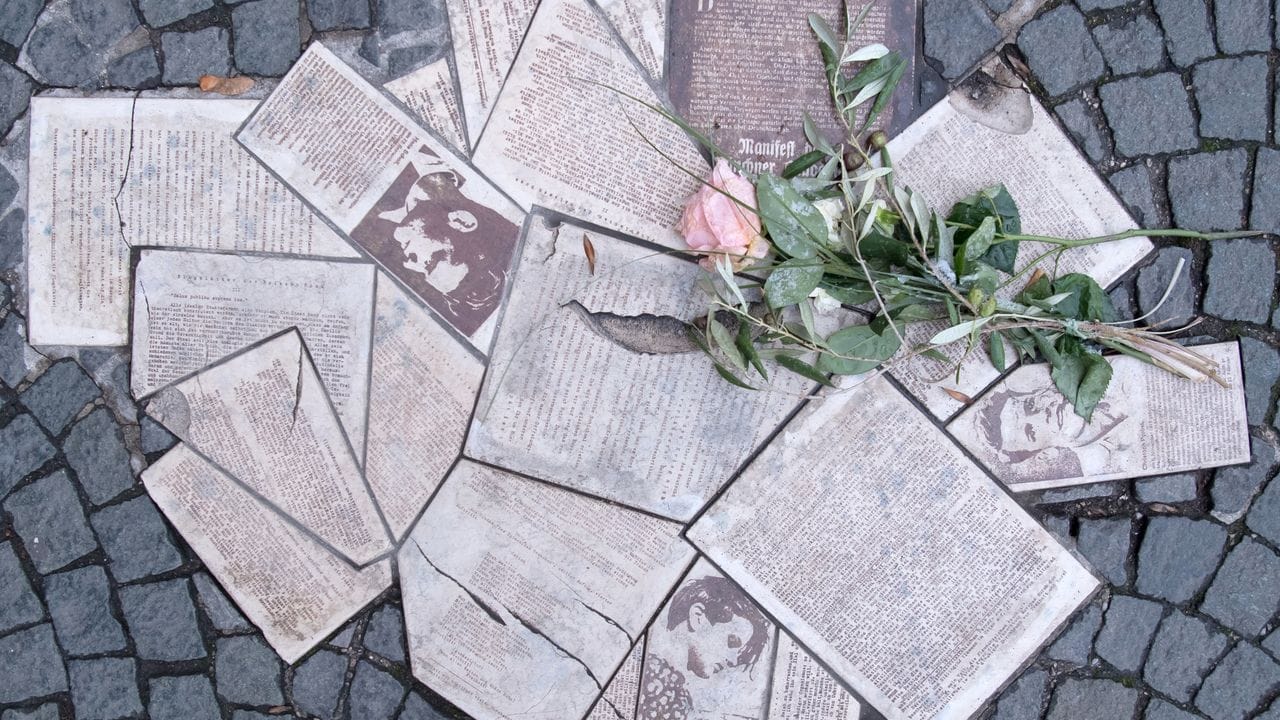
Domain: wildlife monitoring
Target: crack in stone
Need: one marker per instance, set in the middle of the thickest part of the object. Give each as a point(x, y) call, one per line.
point(297, 393)
point(529, 626)
point(493, 615)
point(609, 620)
point(128, 166)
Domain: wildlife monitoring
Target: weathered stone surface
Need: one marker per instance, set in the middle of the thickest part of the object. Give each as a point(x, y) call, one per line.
point(268, 36)
point(1105, 543)
point(1079, 492)
point(343, 637)
point(1153, 281)
point(317, 682)
point(162, 620)
point(1243, 25)
point(1177, 556)
point(188, 55)
point(12, 239)
point(26, 449)
point(155, 438)
point(1078, 698)
point(1160, 710)
point(136, 540)
point(1233, 99)
point(95, 450)
point(248, 672)
point(385, 634)
point(1127, 629)
point(31, 665)
point(13, 348)
point(138, 69)
point(80, 606)
point(1060, 528)
point(1266, 195)
point(1233, 266)
point(1184, 649)
point(15, 94)
point(48, 711)
point(59, 395)
point(1237, 687)
point(1083, 128)
point(1130, 45)
point(1024, 698)
point(338, 14)
point(405, 16)
point(374, 694)
point(1261, 369)
point(250, 715)
point(1235, 487)
point(50, 520)
point(1122, 300)
point(17, 17)
point(105, 689)
point(1245, 593)
point(1149, 115)
point(18, 603)
point(159, 13)
point(415, 708)
point(8, 185)
point(1073, 645)
point(1264, 516)
point(1091, 5)
point(1206, 191)
point(1060, 50)
point(189, 697)
point(1188, 32)
point(71, 50)
point(957, 33)
point(222, 613)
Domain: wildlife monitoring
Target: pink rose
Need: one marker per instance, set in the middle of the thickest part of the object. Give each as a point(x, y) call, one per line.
point(713, 223)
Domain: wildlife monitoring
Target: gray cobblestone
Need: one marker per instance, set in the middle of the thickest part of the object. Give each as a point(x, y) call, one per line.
point(1206, 190)
point(80, 606)
point(1073, 645)
point(17, 17)
point(12, 239)
point(957, 33)
point(267, 36)
point(159, 13)
point(1105, 543)
point(48, 711)
point(1243, 25)
point(1153, 280)
point(1264, 516)
point(385, 634)
point(138, 69)
point(1188, 30)
point(1235, 487)
point(1233, 99)
point(1078, 698)
point(8, 184)
point(162, 620)
point(155, 437)
point(1266, 195)
point(187, 697)
point(48, 517)
point(1160, 710)
point(27, 448)
point(136, 540)
point(1261, 370)
point(1024, 698)
point(31, 666)
point(188, 55)
point(18, 602)
point(1149, 115)
point(1237, 687)
point(1083, 129)
point(248, 672)
point(1130, 45)
point(1177, 556)
point(375, 695)
point(1060, 50)
point(1133, 185)
point(1184, 650)
point(415, 708)
point(1127, 629)
point(1245, 594)
point(317, 682)
point(15, 94)
point(339, 14)
point(105, 689)
point(59, 394)
point(95, 450)
point(1236, 264)
point(222, 613)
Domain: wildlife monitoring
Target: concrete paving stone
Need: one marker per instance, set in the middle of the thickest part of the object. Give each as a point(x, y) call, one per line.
point(1179, 307)
point(1245, 593)
point(105, 689)
point(1077, 698)
point(8, 184)
point(1243, 25)
point(1059, 526)
point(1127, 629)
point(12, 237)
point(338, 14)
point(1105, 544)
point(1272, 713)
point(155, 438)
point(26, 449)
point(398, 16)
point(1183, 652)
point(1158, 709)
point(999, 6)
point(1233, 98)
point(1149, 115)
point(385, 634)
point(957, 33)
point(19, 604)
point(251, 715)
point(342, 638)
point(1079, 492)
point(1188, 30)
point(1177, 556)
point(162, 620)
point(138, 69)
point(15, 94)
point(48, 711)
point(1091, 5)
point(159, 13)
point(187, 697)
point(31, 665)
point(17, 17)
point(222, 613)
point(59, 395)
point(1266, 197)
point(1206, 192)
point(267, 36)
point(415, 708)
point(375, 694)
point(1261, 369)
point(1130, 45)
point(1239, 684)
point(59, 56)
point(1073, 645)
point(1235, 264)
point(247, 671)
point(1264, 515)
point(317, 682)
point(1060, 50)
point(1234, 488)
point(188, 55)
point(80, 606)
point(1122, 300)
point(96, 452)
point(1083, 128)
point(1272, 642)
point(104, 22)
point(48, 517)
point(136, 540)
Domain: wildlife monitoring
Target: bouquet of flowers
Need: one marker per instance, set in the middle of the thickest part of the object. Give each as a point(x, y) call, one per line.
point(835, 229)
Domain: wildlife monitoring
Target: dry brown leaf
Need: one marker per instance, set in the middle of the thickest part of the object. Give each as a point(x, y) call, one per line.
point(1035, 277)
point(590, 251)
point(957, 395)
point(225, 85)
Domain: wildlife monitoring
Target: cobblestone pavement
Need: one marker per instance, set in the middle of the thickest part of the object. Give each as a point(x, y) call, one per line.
point(105, 613)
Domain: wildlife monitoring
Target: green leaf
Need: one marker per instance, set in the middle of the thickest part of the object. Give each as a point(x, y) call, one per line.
point(847, 294)
point(815, 137)
point(891, 82)
point(792, 281)
point(995, 350)
point(1082, 377)
point(958, 331)
point(794, 224)
point(724, 341)
point(802, 368)
point(979, 241)
point(748, 349)
point(863, 347)
point(876, 246)
point(824, 33)
point(994, 202)
point(733, 379)
point(1087, 299)
point(1035, 291)
point(802, 163)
